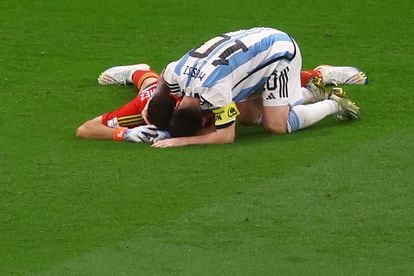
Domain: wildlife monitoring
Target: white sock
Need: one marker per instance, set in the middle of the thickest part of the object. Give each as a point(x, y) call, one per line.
point(307, 96)
point(302, 116)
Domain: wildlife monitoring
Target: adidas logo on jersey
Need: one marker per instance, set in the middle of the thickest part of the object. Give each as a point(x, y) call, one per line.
point(271, 97)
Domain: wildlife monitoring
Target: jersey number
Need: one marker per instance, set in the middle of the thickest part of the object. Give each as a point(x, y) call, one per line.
point(208, 47)
point(279, 80)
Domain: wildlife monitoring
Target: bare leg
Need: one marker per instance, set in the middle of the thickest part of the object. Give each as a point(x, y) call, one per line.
point(275, 119)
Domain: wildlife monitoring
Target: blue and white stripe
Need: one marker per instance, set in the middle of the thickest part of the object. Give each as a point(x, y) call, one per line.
point(246, 71)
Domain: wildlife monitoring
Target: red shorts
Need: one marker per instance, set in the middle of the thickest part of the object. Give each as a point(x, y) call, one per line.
point(129, 115)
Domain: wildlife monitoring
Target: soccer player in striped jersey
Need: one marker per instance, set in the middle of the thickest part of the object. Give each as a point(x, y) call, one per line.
point(229, 68)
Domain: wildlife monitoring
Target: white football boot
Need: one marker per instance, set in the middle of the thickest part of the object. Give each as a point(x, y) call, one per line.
point(337, 75)
point(120, 74)
point(348, 109)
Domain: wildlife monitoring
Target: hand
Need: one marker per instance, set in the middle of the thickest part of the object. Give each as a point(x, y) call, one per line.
point(146, 134)
point(167, 143)
point(162, 135)
point(141, 134)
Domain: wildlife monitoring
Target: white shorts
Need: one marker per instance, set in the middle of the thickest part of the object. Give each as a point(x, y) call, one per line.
point(283, 86)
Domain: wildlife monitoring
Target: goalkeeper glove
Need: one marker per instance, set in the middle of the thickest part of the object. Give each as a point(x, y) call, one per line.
point(141, 134)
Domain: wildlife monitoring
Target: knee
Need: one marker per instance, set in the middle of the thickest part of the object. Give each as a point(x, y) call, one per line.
point(275, 128)
point(247, 121)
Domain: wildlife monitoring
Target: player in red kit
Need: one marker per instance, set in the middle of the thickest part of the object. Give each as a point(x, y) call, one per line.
point(118, 123)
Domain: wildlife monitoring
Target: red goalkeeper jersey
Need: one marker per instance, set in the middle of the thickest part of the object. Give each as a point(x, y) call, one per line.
point(129, 115)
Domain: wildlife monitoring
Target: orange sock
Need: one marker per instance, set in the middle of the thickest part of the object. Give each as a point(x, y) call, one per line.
point(139, 76)
point(305, 76)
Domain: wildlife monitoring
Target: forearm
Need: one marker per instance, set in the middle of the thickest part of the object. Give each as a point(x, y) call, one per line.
point(94, 129)
point(210, 138)
point(221, 136)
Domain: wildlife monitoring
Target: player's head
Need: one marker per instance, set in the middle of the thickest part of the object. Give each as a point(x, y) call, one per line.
point(186, 122)
point(160, 110)
point(187, 119)
point(161, 105)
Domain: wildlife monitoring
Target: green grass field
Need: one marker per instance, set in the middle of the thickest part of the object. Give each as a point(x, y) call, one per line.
point(335, 199)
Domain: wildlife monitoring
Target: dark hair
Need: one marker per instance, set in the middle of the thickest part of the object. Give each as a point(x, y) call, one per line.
point(160, 110)
point(186, 121)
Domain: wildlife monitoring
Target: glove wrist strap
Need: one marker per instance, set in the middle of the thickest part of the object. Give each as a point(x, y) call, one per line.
point(119, 133)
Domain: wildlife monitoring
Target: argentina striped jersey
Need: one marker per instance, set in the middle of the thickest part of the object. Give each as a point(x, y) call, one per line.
point(230, 67)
